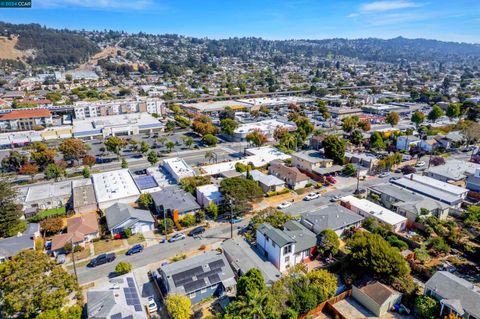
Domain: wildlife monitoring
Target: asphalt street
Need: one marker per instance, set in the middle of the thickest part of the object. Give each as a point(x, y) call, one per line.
point(159, 252)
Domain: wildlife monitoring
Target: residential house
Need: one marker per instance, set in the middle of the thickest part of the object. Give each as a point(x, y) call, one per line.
point(46, 196)
point(430, 187)
point(10, 246)
point(123, 216)
point(314, 162)
point(80, 230)
point(207, 194)
point(451, 140)
point(405, 203)
point(332, 216)
point(290, 175)
point(268, 183)
point(367, 208)
point(316, 142)
point(368, 161)
point(118, 298)
point(429, 145)
point(178, 168)
point(455, 295)
point(376, 297)
point(243, 257)
point(84, 200)
point(473, 181)
point(404, 142)
point(199, 277)
point(453, 171)
point(287, 247)
point(172, 199)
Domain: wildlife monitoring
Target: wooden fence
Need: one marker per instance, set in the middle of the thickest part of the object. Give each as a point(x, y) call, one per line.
point(329, 304)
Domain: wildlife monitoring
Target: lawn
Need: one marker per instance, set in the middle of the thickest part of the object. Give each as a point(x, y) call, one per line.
point(54, 211)
point(135, 239)
point(82, 254)
point(105, 246)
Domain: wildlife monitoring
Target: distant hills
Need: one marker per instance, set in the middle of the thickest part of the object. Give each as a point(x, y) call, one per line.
point(47, 46)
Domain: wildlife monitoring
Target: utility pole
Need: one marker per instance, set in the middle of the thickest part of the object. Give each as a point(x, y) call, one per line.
point(73, 259)
point(358, 180)
point(165, 225)
point(231, 218)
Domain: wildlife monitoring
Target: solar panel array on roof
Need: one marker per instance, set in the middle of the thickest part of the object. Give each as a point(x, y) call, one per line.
point(216, 264)
point(116, 316)
point(214, 279)
point(146, 182)
point(130, 282)
point(194, 285)
point(129, 316)
point(131, 296)
point(185, 276)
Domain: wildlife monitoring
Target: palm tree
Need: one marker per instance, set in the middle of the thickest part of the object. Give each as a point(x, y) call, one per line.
point(209, 155)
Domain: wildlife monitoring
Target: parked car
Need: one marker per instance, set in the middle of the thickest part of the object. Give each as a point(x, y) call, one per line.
point(284, 205)
point(101, 259)
point(420, 164)
point(197, 231)
point(384, 174)
point(335, 198)
point(330, 179)
point(151, 305)
point(176, 237)
point(311, 196)
point(60, 259)
point(138, 248)
point(236, 220)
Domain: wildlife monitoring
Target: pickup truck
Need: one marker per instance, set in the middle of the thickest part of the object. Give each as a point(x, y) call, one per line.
point(101, 259)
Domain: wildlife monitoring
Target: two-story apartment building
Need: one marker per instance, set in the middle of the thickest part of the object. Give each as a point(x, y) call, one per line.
point(24, 120)
point(288, 247)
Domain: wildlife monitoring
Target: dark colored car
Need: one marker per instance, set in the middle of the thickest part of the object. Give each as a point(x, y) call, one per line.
point(138, 248)
point(197, 231)
point(101, 259)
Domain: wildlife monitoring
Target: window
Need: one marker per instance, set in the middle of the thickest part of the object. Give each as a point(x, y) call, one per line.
point(203, 291)
point(267, 239)
point(287, 259)
point(287, 249)
point(191, 296)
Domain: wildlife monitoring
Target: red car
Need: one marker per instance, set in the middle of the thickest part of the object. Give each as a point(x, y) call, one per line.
point(330, 179)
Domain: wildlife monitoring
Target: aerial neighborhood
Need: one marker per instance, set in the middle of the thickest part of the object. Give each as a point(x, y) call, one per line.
point(189, 182)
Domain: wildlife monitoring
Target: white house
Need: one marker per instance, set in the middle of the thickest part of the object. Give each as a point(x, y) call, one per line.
point(268, 183)
point(404, 142)
point(288, 247)
point(123, 216)
point(207, 194)
point(178, 168)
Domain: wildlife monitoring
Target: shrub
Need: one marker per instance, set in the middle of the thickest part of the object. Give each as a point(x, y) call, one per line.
point(188, 220)
point(123, 268)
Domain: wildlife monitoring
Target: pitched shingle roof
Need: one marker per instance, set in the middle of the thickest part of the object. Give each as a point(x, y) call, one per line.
point(119, 213)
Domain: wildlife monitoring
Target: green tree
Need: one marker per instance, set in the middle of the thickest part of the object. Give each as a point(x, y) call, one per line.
point(240, 191)
point(170, 126)
point(162, 140)
point(210, 139)
point(250, 282)
point(53, 225)
point(14, 161)
point(32, 283)
point(304, 126)
point(73, 312)
point(323, 283)
point(334, 148)
point(228, 126)
point(453, 110)
point(371, 253)
point(209, 155)
point(152, 157)
point(435, 113)
point(189, 184)
point(422, 255)
point(427, 307)
point(349, 123)
point(328, 242)
point(392, 118)
point(349, 170)
point(418, 118)
point(356, 137)
point(146, 200)
point(54, 171)
point(255, 305)
point(115, 144)
point(188, 141)
point(376, 141)
point(86, 172)
point(178, 306)
point(212, 210)
point(144, 147)
point(124, 163)
point(10, 211)
point(73, 148)
point(170, 146)
point(123, 268)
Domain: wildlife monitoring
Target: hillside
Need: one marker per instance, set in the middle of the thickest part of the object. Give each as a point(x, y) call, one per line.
point(51, 46)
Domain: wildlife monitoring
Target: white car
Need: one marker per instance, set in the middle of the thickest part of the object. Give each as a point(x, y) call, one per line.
point(335, 198)
point(384, 174)
point(176, 237)
point(152, 305)
point(420, 164)
point(311, 196)
point(284, 205)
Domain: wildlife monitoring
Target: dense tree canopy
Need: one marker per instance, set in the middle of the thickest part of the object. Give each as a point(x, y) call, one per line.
point(178, 306)
point(10, 211)
point(334, 147)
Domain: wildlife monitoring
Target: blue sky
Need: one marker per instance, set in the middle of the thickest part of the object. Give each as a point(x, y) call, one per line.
point(453, 20)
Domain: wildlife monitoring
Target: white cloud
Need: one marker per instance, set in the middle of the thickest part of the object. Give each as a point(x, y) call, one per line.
point(98, 4)
point(387, 5)
point(353, 15)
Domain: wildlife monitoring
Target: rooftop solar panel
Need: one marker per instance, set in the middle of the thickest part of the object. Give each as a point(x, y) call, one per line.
point(216, 264)
point(116, 316)
point(194, 285)
point(146, 182)
point(130, 282)
point(185, 276)
point(214, 279)
point(138, 308)
point(209, 273)
point(128, 317)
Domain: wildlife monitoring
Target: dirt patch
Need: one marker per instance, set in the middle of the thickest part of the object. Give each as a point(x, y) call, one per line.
point(8, 50)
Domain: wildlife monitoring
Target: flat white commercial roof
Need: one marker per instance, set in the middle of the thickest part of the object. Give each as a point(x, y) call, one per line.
point(379, 212)
point(114, 185)
point(277, 100)
point(100, 122)
point(435, 183)
point(260, 156)
point(45, 191)
point(210, 191)
point(179, 166)
point(214, 106)
point(264, 126)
